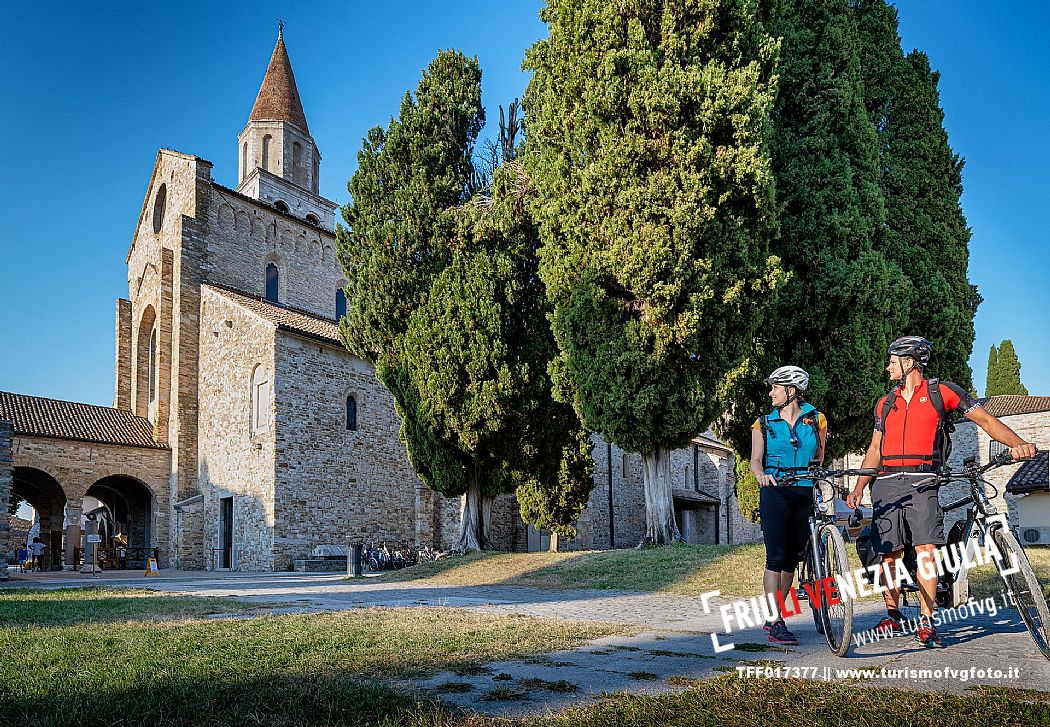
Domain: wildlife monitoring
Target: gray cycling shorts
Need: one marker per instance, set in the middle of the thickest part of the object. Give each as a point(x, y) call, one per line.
point(905, 503)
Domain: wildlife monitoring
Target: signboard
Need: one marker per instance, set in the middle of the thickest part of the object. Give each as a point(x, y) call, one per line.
point(94, 538)
point(151, 567)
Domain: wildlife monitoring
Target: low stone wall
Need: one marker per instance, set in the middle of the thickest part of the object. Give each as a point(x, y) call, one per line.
point(6, 470)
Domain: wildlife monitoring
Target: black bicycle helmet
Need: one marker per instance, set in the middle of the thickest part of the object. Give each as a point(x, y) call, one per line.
point(915, 346)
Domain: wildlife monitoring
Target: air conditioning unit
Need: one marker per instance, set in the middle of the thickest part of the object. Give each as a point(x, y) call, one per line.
point(1035, 536)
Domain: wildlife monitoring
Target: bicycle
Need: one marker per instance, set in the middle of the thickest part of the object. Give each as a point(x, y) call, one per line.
point(825, 560)
point(984, 520)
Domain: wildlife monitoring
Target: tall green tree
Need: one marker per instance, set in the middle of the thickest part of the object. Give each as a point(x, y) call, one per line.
point(646, 131)
point(991, 381)
point(1005, 376)
point(921, 180)
point(444, 299)
point(844, 300)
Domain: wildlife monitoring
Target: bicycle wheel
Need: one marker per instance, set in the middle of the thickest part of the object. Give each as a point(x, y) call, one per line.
point(838, 618)
point(1023, 586)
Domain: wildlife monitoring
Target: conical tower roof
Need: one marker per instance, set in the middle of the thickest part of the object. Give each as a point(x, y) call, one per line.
point(278, 98)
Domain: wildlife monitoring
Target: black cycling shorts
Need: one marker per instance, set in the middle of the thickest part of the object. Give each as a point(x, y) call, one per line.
point(905, 507)
point(785, 515)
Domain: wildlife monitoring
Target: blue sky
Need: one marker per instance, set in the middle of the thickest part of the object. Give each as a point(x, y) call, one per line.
point(91, 90)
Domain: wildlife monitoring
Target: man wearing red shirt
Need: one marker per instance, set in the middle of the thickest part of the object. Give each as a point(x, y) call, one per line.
point(906, 447)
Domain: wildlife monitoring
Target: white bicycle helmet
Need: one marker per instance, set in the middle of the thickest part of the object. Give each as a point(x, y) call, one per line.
point(789, 376)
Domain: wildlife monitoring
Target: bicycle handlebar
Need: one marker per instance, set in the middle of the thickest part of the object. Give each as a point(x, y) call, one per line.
point(819, 473)
point(816, 472)
point(1000, 460)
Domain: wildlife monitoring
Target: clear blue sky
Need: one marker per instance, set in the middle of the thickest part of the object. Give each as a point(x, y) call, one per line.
point(91, 90)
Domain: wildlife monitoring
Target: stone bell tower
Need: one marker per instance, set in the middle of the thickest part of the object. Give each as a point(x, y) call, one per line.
point(278, 161)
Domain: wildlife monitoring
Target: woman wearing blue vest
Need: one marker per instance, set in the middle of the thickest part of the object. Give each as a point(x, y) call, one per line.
point(783, 443)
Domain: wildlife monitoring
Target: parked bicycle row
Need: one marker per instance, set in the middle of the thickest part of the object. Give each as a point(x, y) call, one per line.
point(386, 555)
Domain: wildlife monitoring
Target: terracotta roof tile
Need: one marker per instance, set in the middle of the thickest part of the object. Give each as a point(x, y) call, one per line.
point(1033, 475)
point(278, 98)
point(40, 417)
point(284, 317)
point(1004, 406)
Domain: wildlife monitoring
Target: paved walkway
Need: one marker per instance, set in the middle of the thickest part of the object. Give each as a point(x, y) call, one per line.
point(673, 640)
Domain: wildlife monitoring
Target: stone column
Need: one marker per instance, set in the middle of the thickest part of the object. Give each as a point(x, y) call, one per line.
point(124, 369)
point(6, 483)
point(54, 539)
point(74, 509)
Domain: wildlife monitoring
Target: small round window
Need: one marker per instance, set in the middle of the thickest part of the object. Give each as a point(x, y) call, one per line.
point(159, 203)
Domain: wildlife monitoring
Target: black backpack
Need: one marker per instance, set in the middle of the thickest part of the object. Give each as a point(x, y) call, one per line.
point(945, 427)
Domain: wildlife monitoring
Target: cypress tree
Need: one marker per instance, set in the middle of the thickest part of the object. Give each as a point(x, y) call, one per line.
point(921, 181)
point(991, 380)
point(1007, 373)
point(444, 300)
point(747, 490)
point(844, 301)
point(646, 143)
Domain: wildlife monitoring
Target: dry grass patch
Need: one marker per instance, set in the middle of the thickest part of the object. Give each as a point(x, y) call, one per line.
point(686, 569)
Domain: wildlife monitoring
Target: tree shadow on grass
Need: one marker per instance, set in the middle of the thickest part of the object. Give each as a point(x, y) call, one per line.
point(302, 700)
point(73, 606)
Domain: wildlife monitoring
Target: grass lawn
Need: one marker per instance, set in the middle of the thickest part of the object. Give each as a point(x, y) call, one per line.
point(90, 657)
point(686, 569)
point(94, 656)
point(732, 701)
point(736, 570)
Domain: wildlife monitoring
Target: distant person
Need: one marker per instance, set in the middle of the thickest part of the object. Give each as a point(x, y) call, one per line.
point(783, 443)
point(122, 553)
point(37, 549)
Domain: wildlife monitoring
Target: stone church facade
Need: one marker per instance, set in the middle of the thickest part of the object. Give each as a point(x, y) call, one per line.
point(242, 433)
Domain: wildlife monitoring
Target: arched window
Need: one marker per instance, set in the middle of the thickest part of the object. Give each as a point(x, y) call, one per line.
point(312, 219)
point(271, 282)
point(281, 206)
point(351, 414)
point(244, 160)
point(340, 304)
point(159, 203)
point(260, 400)
point(152, 372)
point(266, 152)
point(297, 156)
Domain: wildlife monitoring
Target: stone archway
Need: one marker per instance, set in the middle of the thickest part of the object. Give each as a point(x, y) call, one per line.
point(45, 495)
point(146, 363)
point(130, 510)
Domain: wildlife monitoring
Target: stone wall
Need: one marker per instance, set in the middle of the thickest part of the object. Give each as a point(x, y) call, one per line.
point(302, 204)
point(123, 367)
point(165, 265)
point(76, 466)
point(188, 552)
point(235, 459)
point(244, 236)
point(699, 467)
point(6, 468)
point(333, 484)
point(280, 156)
point(971, 441)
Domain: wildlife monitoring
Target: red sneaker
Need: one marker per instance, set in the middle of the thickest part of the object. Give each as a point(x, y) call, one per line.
point(889, 627)
point(926, 635)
